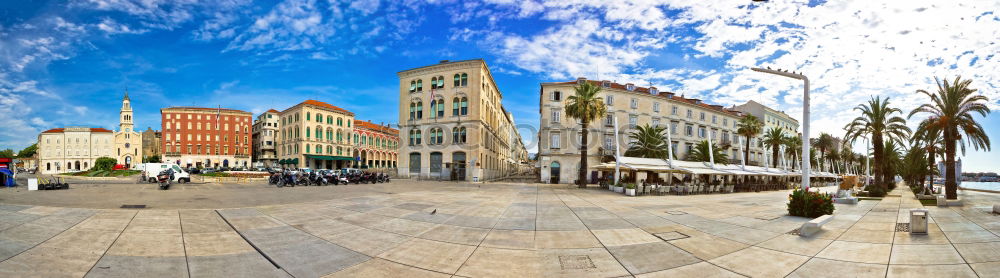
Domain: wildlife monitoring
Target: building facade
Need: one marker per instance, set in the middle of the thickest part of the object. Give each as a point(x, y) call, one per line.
point(376, 145)
point(769, 117)
point(206, 137)
point(62, 150)
point(128, 142)
point(151, 142)
point(452, 124)
point(265, 130)
point(688, 121)
point(315, 134)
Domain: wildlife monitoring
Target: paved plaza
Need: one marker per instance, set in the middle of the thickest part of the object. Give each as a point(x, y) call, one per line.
point(491, 230)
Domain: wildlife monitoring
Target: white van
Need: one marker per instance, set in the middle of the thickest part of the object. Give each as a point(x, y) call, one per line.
point(153, 169)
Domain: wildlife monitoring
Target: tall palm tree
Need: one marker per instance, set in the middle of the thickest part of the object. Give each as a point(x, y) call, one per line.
point(823, 143)
point(878, 122)
point(774, 137)
point(793, 144)
point(649, 142)
point(847, 156)
point(928, 134)
point(953, 106)
point(749, 127)
point(700, 153)
point(585, 105)
point(892, 158)
point(833, 156)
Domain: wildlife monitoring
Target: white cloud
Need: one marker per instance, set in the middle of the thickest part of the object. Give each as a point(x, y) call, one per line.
point(112, 27)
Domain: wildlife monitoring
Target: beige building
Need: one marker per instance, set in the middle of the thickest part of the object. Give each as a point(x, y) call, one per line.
point(315, 134)
point(265, 130)
point(128, 142)
point(688, 121)
point(151, 141)
point(62, 150)
point(453, 126)
point(770, 117)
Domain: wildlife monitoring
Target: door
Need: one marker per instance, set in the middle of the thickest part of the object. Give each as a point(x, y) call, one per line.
point(554, 172)
point(458, 165)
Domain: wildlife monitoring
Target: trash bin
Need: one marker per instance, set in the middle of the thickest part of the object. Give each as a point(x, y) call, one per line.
point(918, 221)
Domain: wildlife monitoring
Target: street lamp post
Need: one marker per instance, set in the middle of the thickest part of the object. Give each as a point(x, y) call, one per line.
point(805, 117)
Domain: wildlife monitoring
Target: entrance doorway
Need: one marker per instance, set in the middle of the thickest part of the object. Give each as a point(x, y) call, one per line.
point(554, 172)
point(458, 166)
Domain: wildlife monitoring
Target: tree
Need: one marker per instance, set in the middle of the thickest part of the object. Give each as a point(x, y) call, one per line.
point(928, 134)
point(793, 144)
point(952, 107)
point(649, 142)
point(8, 153)
point(878, 122)
point(104, 163)
point(152, 159)
point(823, 143)
point(28, 152)
point(749, 127)
point(775, 138)
point(700, 153)
point(892, 161)
point(585, 105)
point(914, 165)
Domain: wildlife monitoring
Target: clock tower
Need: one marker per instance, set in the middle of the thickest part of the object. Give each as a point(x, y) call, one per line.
point(128, 142)
point(125, 115)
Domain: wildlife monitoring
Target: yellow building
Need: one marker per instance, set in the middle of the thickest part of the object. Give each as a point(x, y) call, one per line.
point(453, 126)
point(688, 121)
point(128, 142)
point(315, 134)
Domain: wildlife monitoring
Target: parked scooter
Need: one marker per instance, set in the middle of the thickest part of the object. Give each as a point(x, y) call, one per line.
point(165, 178)
point(317, 179)
point(274, 179)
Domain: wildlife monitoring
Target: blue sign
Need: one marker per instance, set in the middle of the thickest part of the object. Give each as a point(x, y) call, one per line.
point(357, 158)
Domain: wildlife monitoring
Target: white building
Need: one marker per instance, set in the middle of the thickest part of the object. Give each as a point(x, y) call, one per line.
point(128, 142)
point(69, 149)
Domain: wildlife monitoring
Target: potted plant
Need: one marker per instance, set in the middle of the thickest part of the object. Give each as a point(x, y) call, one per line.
point(619, 188)
point(630, 189)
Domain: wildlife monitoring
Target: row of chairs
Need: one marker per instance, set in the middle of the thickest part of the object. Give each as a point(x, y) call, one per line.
point(686, 189)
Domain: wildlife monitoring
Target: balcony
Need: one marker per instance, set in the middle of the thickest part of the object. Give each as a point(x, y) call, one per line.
point(166, 154)
point(241, 156)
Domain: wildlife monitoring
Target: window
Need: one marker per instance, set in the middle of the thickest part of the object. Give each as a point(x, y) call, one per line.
point(465, 80)
point(725, 122)
point(634, 103)
point(673, 110)
point(656, 107)
point(420, 85)
point(656, 122)
point(555, 115)
point(420, 111)
point(457, 83)
point(632, 119)
point(701, 132)
point(629, 87)
point(554, 141)
point(555, 96)
point(609, 141)
point(458, 135)
point(413, 86)
point(440, 108)
point(606, 84)
point(609, 100)
point(702, 117)
point(690, 114)
point(433, 107)
point(714, 118)
point(673, 127)
point(609, 120)
point(465, 106)
point(415, 162)
point(434, 83)
point(454, 103)
point(307, 116)
point(435, 162)
point(689, 130)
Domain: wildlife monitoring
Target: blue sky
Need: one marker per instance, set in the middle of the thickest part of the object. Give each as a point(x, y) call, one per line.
point(68, 62)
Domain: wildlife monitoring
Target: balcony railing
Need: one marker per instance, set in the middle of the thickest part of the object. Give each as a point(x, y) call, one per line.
point(172, 154)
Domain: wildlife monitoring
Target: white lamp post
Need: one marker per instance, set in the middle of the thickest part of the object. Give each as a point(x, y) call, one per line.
point(805, 117)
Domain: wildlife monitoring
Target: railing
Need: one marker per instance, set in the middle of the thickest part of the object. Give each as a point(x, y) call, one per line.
point(172, 154)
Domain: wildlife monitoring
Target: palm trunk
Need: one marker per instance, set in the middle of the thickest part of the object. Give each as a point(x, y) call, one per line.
point(879, 168)
point(746, 152)
point(582, 179)
point(774, 157)
point(950, 184)
point(930, 168)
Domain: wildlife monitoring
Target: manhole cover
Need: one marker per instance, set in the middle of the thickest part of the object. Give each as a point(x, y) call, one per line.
point(902, 227)
point(133, 206)
point(668, 236)
point(576, 262)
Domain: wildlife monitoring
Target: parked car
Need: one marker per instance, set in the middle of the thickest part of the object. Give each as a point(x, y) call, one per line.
point(194, 170)
point(208, 170)
point(151, 170)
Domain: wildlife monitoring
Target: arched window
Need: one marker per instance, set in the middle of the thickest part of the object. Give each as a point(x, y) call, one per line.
point(307, 116)
point(454, 104)
point(307, 134)
point(465, 80)
point(440, 108)
point(413, 86)
point(307, 146)
point(440, 82)
point(434, 82)
point(461, 135)
point(465, 106)
point(420, 85)
point(433, 107)
point(420, 110)
point(457, 80)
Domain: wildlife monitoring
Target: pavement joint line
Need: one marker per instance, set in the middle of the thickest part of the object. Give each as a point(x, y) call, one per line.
point(187, 261)
point(495, 222)
point(275, 264)
point(51, 237)
point(892, 243)
point(113, 242)
point(953, 244)
point(592, 231)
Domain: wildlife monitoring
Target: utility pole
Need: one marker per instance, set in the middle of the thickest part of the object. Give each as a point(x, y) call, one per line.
point(805, 117)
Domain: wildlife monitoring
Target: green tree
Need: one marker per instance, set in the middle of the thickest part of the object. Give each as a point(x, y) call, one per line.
point(823, 143)
point(152, 159)
point(928, 134)
point(878, 122)
point(649, 142)
point(914, 166)
point(749, 127)
point(953, 106)
point(793, 145)
point(29, 151)
point(8, 153)
point(104, 163)
point(775, 138)
point(700, 153)
point(585, 105)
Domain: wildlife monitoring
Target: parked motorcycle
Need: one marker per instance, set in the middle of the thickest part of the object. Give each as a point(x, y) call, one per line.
point(165, 178)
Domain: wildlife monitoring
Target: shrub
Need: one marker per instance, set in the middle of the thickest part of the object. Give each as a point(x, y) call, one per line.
point(809, 204)
point(875, 190)
point(629, 186)
point(104, 163)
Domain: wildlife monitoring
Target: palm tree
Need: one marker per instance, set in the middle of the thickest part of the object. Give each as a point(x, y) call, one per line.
point(823, 143)
point(892, 159)
point(749, 127)
point(793, 144)
point(929, 134)
point(847, 156)
point(833, 157)
point(878, 122)
point(774, 137)
point(952, 107)
point(700, 153)
point(649, 142)
point(585, 105)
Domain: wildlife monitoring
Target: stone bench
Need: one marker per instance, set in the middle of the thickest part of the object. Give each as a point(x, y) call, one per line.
point(814, 225)
point(996, 208)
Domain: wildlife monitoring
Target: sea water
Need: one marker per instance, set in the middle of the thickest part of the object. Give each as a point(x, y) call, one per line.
point(982, 185)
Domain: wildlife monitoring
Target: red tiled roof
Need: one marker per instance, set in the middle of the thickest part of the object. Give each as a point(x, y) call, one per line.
point(273, 111)
point(61, 130)
point(692, 101)
point(324, 105)
point(367, 125)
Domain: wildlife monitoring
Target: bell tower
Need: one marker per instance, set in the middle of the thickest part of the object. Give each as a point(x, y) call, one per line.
point(125, 116)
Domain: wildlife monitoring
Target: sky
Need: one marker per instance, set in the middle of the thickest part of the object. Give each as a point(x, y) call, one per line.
point(67, 63)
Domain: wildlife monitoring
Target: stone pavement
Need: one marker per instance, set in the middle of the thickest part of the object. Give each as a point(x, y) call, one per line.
point(512, 230)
